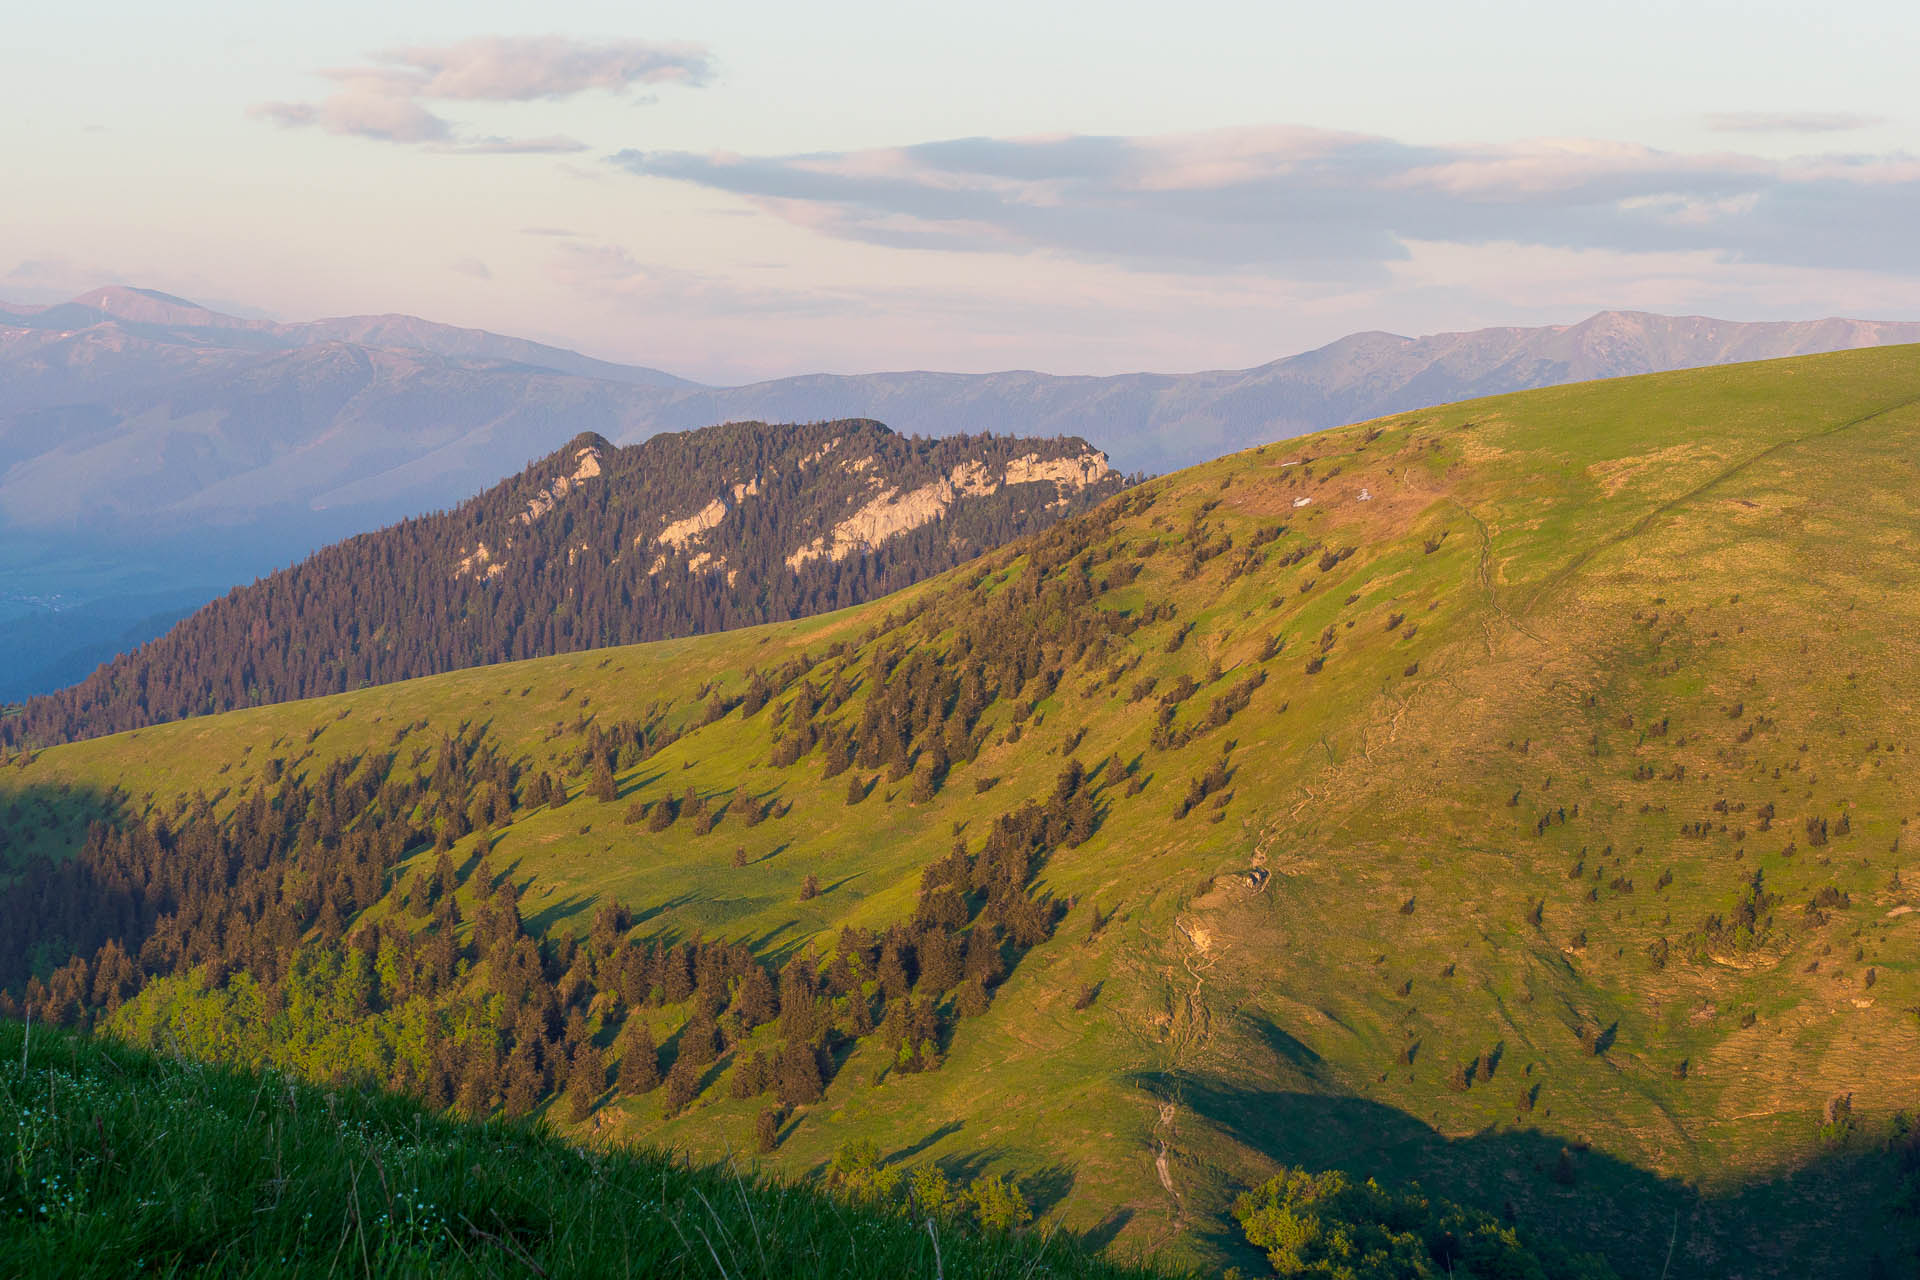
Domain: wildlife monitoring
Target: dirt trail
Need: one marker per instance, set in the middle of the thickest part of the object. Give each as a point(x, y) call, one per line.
point(1190, 1026)
point(1484, 574)
point(1160, 1162)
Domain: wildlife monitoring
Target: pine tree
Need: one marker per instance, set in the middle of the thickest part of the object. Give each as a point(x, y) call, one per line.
point(766, 1130)
point(603, 788)
point(480, 1083)
point(940, 964)
point(683, 1083)
point(972, 1001)
point(797, 1075)
point(921, 790)
point(585, 1080)
point(523, 1081)
point(749, 1077)
point(699, 1040)
point(756, 1002)
point(639, 1058)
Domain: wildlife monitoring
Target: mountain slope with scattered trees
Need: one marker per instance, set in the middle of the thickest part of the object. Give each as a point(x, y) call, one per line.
point(685, 533)
point(1509, 799)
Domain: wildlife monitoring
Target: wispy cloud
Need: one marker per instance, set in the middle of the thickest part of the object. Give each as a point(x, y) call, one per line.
point(1311, 204)
point(612, 273)
point(386, 98)
point(552, 145)
point(1791, 121)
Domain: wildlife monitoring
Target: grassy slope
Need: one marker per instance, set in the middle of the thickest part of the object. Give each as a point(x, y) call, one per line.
point(1610, 556)
point(121, 1162)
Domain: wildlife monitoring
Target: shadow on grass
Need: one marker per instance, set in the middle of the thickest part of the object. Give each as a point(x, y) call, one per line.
point(542, 922)
point(639, 782)
point(944, 1132)
point(42, 829)
point(1830, 1217)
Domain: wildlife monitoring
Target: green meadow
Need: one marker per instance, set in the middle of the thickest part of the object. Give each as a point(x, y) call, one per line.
point(1554, 853)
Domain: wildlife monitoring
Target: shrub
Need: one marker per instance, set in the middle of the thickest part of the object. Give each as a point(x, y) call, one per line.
point(1836, 1121)
point(1328, 1225)
point(998, 1204)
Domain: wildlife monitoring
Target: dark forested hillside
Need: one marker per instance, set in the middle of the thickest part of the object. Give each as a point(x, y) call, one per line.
point(686, 533)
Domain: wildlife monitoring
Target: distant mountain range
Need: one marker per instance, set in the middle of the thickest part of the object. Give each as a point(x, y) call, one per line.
point(126, 406)
point(141, 433)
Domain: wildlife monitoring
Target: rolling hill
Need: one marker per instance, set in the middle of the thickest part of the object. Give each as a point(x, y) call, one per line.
point(1509, 797)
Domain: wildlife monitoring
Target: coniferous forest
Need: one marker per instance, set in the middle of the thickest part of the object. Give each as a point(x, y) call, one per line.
point(249, 927)
point(582, 550)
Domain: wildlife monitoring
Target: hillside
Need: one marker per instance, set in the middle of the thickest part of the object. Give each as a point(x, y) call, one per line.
point(153, 447)
point(686, 533)
point(128, 1163)
point(1506, 796)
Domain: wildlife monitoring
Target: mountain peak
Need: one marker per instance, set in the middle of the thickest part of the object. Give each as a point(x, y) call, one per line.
point(150, 306)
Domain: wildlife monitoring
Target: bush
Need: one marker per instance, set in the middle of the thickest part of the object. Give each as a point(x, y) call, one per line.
point(1326, 1226)
point(1836, 1121)
point(998, 1204)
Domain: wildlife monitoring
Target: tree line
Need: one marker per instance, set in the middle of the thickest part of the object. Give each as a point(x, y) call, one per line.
point(578, 571)
point(280, 925)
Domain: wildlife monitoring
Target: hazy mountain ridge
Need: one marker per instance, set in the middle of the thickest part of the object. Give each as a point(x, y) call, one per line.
point(127, 406)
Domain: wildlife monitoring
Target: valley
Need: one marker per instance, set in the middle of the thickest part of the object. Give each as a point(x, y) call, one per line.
point(1508, 796)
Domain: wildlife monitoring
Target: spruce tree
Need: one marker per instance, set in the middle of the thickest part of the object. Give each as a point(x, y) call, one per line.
point(523, 1081)
point(683, 1083)
point(972, 1001)
point(603, 787)
point(699, 1040)
point(766, 1130)
point(586, 1080)
point(798, 1075)
point(639, 1058)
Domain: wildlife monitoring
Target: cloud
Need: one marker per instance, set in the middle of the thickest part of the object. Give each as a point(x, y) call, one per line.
point(471, 266)
point(384, 100)
point(613, 274)
point(524, 68)
point(359, 114)
point(553, 145)
point(1311, 203)
point(1791, 121)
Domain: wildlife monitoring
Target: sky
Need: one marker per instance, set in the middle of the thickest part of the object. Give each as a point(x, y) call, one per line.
point(734, 191)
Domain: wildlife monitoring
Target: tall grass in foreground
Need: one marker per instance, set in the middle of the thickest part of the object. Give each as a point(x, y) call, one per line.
point(119, 1162)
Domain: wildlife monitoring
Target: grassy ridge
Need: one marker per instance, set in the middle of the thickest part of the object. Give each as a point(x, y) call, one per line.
point(120, 1162)
point(1476, 904)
